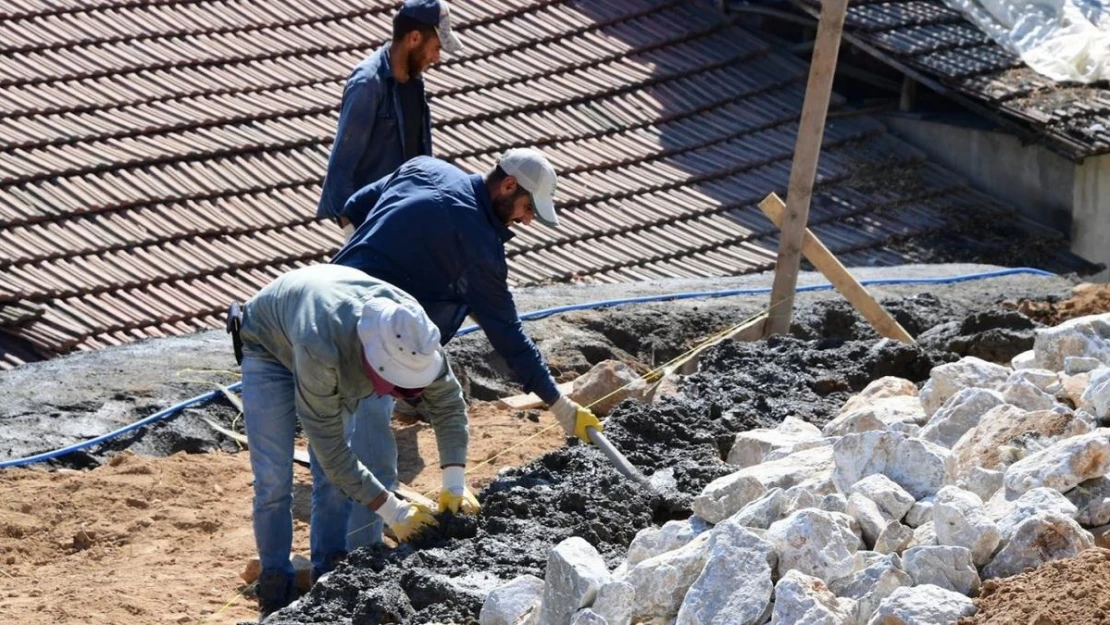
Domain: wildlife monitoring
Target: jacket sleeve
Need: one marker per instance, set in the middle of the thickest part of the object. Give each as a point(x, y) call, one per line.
point(358, 208)
point(488, 297)
point(352, 139)
point(320, 409)
point(447, 413)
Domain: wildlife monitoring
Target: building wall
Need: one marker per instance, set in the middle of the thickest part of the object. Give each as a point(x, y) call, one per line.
point(1090, 231)
point(1034, 180)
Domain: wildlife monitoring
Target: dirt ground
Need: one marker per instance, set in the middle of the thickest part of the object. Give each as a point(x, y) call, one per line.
point(163, 539)
point(1064, 592)
point(1086, 299)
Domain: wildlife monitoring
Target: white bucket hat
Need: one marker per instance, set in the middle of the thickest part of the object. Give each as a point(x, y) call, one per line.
point(400, 342)
point(534, 172)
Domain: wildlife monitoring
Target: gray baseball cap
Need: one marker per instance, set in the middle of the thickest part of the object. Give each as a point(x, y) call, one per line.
point(534, 172)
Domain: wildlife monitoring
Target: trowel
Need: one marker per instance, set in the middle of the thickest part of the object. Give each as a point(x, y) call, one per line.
point(617, 458)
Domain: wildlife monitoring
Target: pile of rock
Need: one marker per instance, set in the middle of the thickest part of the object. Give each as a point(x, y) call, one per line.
point(892, 513)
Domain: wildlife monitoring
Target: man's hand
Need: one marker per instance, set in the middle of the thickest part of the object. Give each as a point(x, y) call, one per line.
point(455, 496)
point(574, 418)
point(404, 518)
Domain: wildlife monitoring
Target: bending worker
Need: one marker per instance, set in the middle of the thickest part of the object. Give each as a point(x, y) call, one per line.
point(439, 234)
point(315, 341)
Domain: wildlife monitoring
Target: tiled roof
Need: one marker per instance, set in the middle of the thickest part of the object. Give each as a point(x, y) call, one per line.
point(160, 160)
point(949, 53)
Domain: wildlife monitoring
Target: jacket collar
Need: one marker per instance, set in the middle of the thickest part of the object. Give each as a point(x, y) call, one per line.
point(481, 195)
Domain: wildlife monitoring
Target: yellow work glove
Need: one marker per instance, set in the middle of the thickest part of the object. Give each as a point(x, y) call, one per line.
point(455, 496)
point(404, 518)
point(574, 418)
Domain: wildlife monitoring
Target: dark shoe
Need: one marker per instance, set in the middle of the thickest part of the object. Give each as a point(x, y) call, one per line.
point(275, 591)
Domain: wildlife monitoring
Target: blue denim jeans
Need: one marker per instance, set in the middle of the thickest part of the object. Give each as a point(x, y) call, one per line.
point(270, 415)
point(371, 438)
point(337, 526)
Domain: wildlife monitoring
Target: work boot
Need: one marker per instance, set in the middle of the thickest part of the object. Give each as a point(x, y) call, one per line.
point(275, 591)
point(331, 561)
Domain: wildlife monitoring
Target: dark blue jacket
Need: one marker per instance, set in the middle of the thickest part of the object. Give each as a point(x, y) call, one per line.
point(430, 229)
point(369, 139)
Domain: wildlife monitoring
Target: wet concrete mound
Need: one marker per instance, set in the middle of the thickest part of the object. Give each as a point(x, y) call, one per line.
point(573, 491)
point(993, 335)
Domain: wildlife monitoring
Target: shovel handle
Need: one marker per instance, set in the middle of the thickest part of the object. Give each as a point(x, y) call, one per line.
point(617, 458)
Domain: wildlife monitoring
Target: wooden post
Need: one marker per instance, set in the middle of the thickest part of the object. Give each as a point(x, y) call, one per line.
point(811, 128)
point(840, 278)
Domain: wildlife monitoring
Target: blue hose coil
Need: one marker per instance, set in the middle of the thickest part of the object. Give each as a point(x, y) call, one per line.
point(531, 316)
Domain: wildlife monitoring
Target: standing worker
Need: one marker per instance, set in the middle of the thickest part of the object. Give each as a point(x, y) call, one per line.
point(383, 118)
point(439, 234)
point(314, 342)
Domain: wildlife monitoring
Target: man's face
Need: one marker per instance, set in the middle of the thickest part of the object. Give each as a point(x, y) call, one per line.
point(513, 204)
point(423, 52)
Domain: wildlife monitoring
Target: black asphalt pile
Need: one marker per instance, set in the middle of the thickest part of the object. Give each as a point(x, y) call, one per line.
point(574, 492)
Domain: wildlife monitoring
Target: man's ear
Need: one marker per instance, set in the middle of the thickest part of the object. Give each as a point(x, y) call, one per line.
point(508, 186)
point(414, 39)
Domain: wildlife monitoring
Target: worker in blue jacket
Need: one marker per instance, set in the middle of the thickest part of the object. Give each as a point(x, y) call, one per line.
point(384, 118)
point(439, 234)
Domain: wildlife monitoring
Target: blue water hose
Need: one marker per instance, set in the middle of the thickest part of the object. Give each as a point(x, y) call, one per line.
point(531, 316)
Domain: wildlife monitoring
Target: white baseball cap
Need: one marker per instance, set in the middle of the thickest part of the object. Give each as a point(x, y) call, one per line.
point(400, 342)
point(534, 172)
point(435, 13)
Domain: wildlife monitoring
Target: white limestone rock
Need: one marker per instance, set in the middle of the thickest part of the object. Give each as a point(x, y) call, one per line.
point(652, 541)
point(873, 583)
point(1024, 360)
point(1096, 397)
point(909, 430)
point(1092, 499)
point(762, 512)
point(727, 495)
point(920, 467)
point(922, 605)
point(1024, 394)
point(887, 386)
point(661, 581)
point(1043, 379)
point(1006, 434)
point(751, 447)
point(1087, 337)
point(924, 535)
point(575, 571)
point(961, 519)
point(1064, 465)
point(866, 513)
point(921, 512)
point(959, 414)
point(614, 602)
point(878, 415)
point(894, 538)
point(798, 498)
point(949, 379)
point(505, 604)
point(1010, 510)
point(586, 616)
point(804, 600)
point(949, 567)
point(735, 585)
point(1074, 365)
point(983, 482)
point(1042, 537)
point(810, 469)
point(834, 502)
point(782, 452)
point(893, 500)
point(815, 542)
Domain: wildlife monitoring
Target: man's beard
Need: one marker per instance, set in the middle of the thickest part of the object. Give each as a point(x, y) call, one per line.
point(503, 207)
point(414, 60)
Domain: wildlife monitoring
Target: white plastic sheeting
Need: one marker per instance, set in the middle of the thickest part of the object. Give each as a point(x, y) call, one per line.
point(1065, 40)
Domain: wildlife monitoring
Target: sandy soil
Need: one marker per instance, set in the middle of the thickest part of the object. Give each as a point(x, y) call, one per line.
point(163, 539)
point(1086, 299)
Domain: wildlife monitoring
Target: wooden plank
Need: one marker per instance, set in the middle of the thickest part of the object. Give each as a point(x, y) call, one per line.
point(530, 400)
point(803, 171)
point(406, 492)
point(841, 278)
